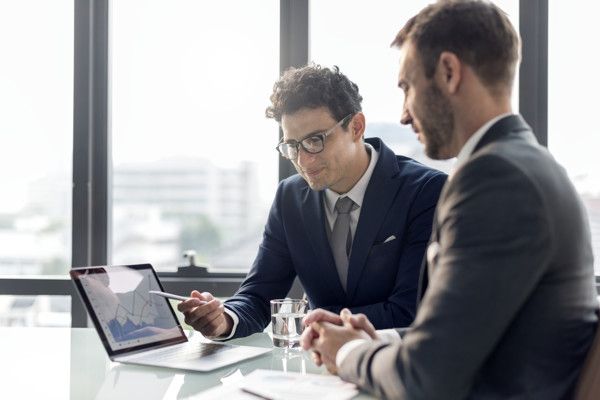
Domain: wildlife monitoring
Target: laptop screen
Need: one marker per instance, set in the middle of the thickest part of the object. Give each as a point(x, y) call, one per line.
point(127, 317)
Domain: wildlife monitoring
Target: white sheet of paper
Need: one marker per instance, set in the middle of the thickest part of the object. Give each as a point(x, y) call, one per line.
point(278, 385)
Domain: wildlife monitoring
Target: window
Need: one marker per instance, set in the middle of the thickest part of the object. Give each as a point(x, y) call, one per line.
point(36, 108)
point(194, 165)
point(47, 311)
point(189, 82)
point(573, 136)
point(356, 35)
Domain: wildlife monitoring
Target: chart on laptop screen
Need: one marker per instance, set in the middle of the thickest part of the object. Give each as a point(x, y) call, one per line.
point(128, 314)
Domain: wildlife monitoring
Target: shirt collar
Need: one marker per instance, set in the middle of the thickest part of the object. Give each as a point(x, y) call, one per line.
point(467, 150)
point(357, 193)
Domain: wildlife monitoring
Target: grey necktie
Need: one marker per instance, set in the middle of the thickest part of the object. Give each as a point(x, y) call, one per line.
point(341, 237)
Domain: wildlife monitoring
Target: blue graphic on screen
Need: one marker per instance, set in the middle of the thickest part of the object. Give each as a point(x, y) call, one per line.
point(137, 315)
point(125, 308)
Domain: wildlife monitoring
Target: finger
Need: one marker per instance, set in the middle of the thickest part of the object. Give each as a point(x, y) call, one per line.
point(204, 296)
point(360, 321)
point(307, 338)
point(210, 318)
point(201, 312)
point(322, 315)
point(189, 304)
point(318, 327)
point(196, 294)
point(316, 357)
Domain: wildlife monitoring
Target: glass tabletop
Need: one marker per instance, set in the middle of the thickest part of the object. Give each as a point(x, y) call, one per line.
point(64, 363)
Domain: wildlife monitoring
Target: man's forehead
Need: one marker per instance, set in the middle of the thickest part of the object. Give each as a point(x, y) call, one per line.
point(306, 121)
point(408, 61)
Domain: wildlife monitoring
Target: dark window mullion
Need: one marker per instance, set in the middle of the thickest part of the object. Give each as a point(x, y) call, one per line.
point(293, 50)
point(533, 73)
point(91, 187)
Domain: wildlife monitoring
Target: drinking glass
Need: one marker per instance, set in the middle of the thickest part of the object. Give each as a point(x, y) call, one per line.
point(286, 321)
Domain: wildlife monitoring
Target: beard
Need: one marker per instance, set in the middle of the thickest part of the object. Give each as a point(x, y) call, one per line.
point(437, 123)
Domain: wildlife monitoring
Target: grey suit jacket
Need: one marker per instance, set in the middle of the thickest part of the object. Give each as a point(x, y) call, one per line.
point(509, 309)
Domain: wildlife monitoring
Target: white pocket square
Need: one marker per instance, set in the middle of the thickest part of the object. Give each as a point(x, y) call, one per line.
point(432, 251)
point(393, 237)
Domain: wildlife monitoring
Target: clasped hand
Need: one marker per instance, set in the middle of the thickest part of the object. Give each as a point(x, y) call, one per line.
point(326, 333)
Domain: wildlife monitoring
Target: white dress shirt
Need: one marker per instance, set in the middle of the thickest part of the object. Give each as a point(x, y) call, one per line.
point(356, 194)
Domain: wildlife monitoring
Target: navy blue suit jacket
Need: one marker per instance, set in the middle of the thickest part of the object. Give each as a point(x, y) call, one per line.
point(382, 276)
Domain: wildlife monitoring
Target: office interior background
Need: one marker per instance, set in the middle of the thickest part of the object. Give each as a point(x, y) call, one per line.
point(133, 130)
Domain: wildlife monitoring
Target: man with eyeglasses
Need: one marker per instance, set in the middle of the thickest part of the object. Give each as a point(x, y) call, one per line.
point(352, 225)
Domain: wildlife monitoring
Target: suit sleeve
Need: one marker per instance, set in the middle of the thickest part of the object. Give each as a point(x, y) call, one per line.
point(398, 310)
point(270, 277)
point(494, 237)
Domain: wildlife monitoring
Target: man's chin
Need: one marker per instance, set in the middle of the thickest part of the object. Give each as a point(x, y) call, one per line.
point(316, 186)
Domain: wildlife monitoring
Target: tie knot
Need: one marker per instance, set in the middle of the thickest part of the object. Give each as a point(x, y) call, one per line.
point(344, 205)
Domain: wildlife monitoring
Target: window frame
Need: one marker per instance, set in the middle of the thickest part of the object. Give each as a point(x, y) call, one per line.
point(92, 146)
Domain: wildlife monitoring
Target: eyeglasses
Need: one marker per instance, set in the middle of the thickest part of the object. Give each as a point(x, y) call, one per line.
point(312, 144)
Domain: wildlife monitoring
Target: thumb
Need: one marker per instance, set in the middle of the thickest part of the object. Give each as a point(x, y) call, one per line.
point(345, 315)
point(317, 327)
point(200, 296)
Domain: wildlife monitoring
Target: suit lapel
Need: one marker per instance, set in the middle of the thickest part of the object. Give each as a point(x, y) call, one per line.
point(378, 199)
point(315, 221)
point(426, 266)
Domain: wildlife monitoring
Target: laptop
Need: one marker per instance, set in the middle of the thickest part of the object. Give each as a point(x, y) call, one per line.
point(137, 327)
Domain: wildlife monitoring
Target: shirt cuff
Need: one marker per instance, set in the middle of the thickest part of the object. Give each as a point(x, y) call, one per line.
point(384, 335)
point(388, 335)
point(236, 321)
point(347, 349)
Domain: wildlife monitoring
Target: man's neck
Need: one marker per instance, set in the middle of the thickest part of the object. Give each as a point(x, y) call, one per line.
point(475, 116)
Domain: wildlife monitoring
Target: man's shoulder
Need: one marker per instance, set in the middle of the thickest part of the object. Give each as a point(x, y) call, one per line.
point(406, 167)
point(292, 189)
point(410, 166)
point(420, 177)
point(514, 155)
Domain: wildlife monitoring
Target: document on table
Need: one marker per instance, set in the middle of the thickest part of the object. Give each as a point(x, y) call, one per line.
point(278, 385)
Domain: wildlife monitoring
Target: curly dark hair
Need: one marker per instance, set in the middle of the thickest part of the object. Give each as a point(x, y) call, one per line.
point(313, 86)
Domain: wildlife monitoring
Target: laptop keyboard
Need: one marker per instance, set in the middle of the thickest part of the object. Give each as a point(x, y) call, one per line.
point(186, 353)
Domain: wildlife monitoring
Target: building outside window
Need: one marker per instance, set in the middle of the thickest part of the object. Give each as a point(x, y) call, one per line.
point(194, 165)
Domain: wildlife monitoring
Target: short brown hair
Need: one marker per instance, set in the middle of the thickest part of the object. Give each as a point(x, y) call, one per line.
point(478, 32)
point(313, 86)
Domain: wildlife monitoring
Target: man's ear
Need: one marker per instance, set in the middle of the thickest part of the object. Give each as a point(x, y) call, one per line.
point(357, 125)
point(449, 72)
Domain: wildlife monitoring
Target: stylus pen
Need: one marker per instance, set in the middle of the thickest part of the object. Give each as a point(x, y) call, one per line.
point(169, 295)
point(174, 296)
